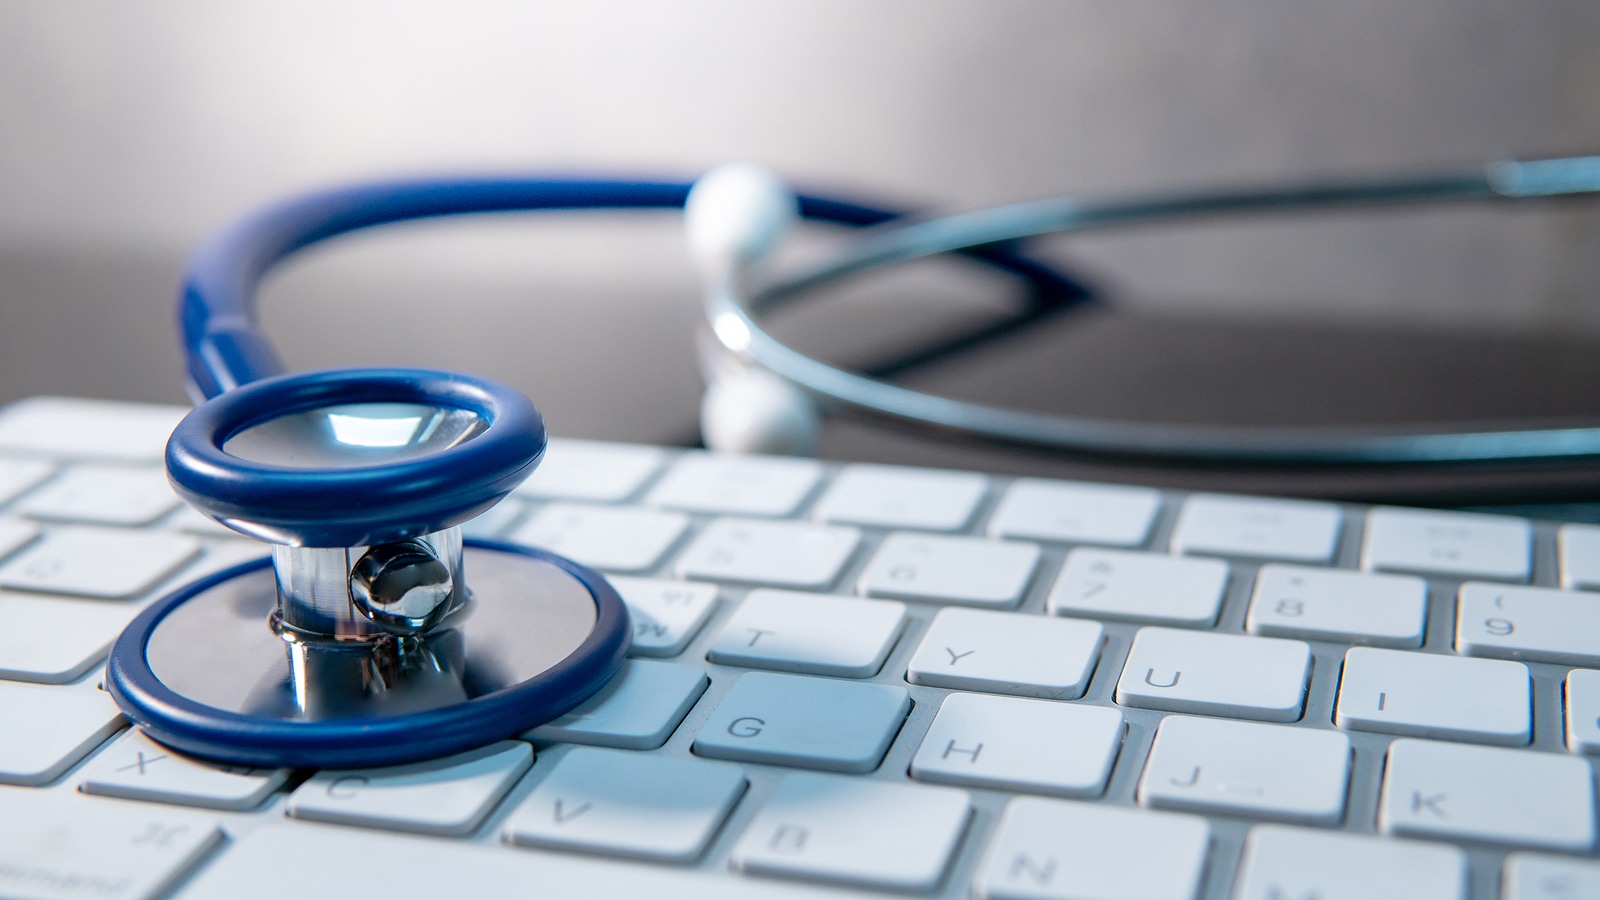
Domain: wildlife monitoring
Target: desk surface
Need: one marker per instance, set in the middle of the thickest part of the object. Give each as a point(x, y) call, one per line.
point(1232, 371)
point(100, 325)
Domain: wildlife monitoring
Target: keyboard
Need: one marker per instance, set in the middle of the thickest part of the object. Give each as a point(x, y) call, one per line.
point(858, 680)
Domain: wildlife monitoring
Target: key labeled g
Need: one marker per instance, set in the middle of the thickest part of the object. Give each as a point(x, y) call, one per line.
point(746, 726)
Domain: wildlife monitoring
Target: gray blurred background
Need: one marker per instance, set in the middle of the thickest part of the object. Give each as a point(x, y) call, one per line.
point(129, 131)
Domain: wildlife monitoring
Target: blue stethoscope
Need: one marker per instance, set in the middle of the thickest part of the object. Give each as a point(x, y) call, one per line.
point(377, 635)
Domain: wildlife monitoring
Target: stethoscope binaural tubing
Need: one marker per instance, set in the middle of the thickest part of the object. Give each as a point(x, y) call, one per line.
point(733, 315)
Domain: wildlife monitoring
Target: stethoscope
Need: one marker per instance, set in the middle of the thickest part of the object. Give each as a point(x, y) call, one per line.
point(376, 634)
point(365, 642)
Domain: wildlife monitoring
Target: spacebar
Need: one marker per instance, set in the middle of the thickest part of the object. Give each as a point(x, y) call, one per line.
point(302, 860)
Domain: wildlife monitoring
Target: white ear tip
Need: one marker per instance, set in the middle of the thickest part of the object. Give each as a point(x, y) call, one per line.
point(757, 412)
point(736, 213)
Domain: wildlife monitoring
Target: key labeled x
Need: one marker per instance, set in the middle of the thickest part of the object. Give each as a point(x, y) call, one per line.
point(140, 762)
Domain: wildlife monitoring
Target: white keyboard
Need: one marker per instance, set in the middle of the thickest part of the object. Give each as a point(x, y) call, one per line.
point(857, 679)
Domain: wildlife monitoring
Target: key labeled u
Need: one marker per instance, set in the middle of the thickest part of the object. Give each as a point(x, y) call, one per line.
point(1150, 675)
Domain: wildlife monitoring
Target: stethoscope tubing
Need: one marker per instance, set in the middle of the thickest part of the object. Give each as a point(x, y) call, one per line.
point(734, 319)
point(224, 346)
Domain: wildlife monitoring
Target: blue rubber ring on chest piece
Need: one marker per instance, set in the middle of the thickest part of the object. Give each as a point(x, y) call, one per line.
point(206, 731)
point(357, 506)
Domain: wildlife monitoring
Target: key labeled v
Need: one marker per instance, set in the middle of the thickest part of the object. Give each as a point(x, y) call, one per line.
point(564, 815)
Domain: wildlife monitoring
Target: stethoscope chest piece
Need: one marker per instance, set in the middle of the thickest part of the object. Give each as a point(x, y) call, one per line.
point(375, 635)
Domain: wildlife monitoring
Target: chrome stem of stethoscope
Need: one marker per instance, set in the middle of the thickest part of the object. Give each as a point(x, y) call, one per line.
point(360, 622)
point(735, 333)
point(399, 588)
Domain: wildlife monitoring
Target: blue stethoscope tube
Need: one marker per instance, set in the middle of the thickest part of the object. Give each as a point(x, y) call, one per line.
point(225, 348)
point(229, 357)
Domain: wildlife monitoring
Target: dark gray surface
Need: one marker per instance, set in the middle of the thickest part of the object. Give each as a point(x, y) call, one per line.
point(1231, 371)
point(638, 381)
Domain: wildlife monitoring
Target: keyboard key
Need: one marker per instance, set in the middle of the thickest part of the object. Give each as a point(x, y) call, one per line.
point(737, 485)
point(1215, 674)
point(492, 523)
point(1006, 653)
point(606, 801)
point(104, 495)
point(254, 869)
point(1035, 509)
point(190, 520)
point(636, 710)
point(1258, 528)
point(613, 538)
point(1011, 743)
point(897, 497)
point(1429, 695)
point(220, 555)
point(966, 570)
point(784, 554)
point(1583, 711)
point(1535, 624)
point(113, 564)
point(816, 634)
point(596, 471)
point(1336, 605)
point(15, 534)
point(870, 834)
point(17, 475)
point(449, 796)
point(666, 614)
point(88, 429)
point(1270, 771)
point(1516, 797)
point(1067, 850)
point(1139, 587)
point(1291, 863)
point(809, 723)
point(47, 730)
point(1448, 543)
point(53, 848)
point(1530, 876)
point(137, 768)
point(54, 640)
point(1579, 549)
